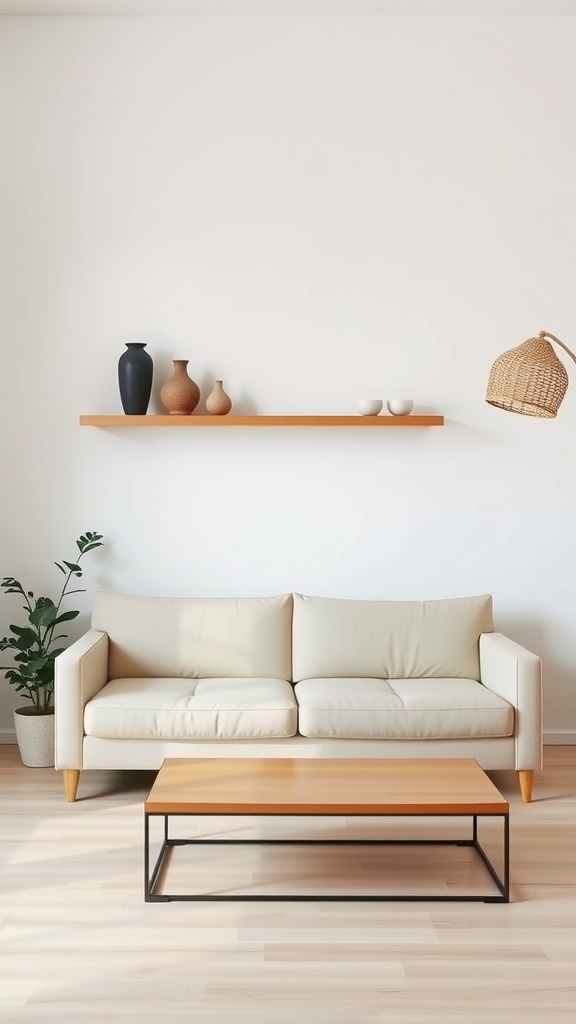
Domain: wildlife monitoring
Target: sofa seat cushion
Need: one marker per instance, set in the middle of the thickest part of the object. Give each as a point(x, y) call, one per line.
point(367, 708)
point(182, 709)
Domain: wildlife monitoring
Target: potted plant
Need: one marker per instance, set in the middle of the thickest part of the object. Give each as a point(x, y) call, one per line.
point(35, 648)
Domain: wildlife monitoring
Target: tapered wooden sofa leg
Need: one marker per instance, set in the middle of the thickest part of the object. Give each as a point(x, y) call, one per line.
point(526, 778)
point(71, 778)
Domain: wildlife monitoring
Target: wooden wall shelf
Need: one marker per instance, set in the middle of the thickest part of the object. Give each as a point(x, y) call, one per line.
point(261, 421)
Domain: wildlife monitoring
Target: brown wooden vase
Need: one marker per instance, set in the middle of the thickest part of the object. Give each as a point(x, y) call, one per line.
point(180, 394)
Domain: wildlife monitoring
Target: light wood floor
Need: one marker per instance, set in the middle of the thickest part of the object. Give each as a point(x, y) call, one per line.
point(77, 942)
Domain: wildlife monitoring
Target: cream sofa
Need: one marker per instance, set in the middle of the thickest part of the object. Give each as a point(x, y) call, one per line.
point(295, 676)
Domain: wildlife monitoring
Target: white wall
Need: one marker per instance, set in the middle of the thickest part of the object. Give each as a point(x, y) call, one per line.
point(313, 209)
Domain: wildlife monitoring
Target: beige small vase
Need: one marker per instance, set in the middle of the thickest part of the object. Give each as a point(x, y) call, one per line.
point(180, 394)
point(218, 402)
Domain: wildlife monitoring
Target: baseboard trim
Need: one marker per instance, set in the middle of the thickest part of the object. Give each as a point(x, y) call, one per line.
point(7, 736)
point(560, 739)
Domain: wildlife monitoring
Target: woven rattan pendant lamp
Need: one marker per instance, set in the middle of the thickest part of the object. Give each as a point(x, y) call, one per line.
point(529, 379)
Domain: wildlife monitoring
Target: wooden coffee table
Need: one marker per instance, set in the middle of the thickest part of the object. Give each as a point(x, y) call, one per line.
point(385, 787)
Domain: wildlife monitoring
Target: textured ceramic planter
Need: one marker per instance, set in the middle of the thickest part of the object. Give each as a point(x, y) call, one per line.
point(35, 735)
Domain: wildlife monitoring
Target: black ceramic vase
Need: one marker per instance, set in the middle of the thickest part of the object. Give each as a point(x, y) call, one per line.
point(135, 369)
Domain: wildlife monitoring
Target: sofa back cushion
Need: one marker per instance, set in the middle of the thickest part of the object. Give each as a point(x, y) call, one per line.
point(196, 637)
point(389, 639)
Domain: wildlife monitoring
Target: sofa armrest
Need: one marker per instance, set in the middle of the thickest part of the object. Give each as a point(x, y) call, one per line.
point(80, 672)
point(515, 674)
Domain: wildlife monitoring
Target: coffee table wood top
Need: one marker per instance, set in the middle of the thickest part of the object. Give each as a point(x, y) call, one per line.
point(323, 786)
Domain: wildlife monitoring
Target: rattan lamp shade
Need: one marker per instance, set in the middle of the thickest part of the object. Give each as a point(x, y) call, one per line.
point(529, 379)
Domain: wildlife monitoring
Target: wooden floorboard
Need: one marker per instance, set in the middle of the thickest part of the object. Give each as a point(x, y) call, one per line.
point(77, 942)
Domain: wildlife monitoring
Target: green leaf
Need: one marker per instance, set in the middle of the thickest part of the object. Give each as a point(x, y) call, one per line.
point(46, 677)
point(65, 617)
point(9, 581)
point(61, 567)
point(43, 615)
point(36, 666)
point(25, 638)
point(89, 541)
point(73, 568)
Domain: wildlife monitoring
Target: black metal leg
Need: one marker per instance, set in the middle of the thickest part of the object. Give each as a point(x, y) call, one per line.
point(506, 892)
point(503, 884)
point(150, 881)
point(146, 857)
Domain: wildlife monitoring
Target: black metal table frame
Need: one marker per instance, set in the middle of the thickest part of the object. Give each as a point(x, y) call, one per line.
point(502, 882)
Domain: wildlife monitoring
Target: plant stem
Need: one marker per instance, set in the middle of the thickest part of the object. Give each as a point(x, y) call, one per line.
point(47, 639)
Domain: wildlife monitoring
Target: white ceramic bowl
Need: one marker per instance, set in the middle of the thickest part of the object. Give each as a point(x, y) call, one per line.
point(369, 406)
point(400, 406)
